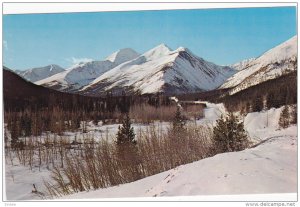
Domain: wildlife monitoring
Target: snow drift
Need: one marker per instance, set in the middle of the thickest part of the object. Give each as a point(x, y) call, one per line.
point(269, 168)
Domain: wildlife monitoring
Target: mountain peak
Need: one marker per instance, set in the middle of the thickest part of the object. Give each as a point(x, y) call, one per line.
point(162, 47)
point(183, 49)
point(157, 52)
point(39, 73)
point(122, 55)
point(281, 59)
point(242, 64)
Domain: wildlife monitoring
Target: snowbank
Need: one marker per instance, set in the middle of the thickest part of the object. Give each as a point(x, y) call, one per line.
point(264, 124)
point(212, 113)
point(269, 168)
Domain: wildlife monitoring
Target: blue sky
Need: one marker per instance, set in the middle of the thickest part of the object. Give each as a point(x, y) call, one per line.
point(223, 36)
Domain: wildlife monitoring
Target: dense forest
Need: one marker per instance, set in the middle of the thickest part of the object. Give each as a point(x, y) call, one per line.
point(272, 93)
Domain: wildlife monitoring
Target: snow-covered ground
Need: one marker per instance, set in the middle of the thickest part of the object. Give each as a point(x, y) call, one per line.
point(271, 167)
point(110, 130)
point(212, 113)
point(19, 181)
point(263, 125)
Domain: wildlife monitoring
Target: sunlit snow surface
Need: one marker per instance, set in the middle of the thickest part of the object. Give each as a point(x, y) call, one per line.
point(265, 67)
point(271, 167)
point(83, 73)
point(36, 74)
point(161, 67)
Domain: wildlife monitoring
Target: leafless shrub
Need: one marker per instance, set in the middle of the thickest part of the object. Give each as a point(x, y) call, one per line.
point(103, 164)
point(146, 113)
point(193, 111)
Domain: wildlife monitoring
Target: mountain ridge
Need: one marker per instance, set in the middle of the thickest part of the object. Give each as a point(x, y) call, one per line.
point(82, 74)
point(161, 69)
point(271, 64)
point(39, 73)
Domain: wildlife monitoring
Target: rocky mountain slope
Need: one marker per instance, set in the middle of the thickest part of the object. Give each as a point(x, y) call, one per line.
point(279, 60)
point(82, 74)
point(161, 70)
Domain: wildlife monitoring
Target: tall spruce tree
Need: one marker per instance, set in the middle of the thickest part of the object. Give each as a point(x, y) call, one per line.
point(26, 124)
point(294, 114)
point(126, 133)
point(229, 135)
point(257, 104)
point(127, 150)
point(178, 121)
point(284, 117)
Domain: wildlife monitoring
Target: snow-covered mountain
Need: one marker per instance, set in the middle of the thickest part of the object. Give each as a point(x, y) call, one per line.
point(36, 74)
point(279, 60)
point(82, 74)
point(241, 65)
point(161, 70)
point(122, 56)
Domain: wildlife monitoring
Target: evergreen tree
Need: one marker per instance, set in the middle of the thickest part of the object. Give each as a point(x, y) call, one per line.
point(26, 125)
point(15, 134)
point(258, 104)
point(294, 115)
point(270, 100)
point(248, 107)
point(127, 150)
point(95, 119)
point(284, 117)
point(229, 135)
point(178, 121)
point(36, 124)
point(14, 131)
point(125, 133)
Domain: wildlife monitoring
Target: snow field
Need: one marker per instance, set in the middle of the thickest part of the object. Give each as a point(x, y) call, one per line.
point(271, 167)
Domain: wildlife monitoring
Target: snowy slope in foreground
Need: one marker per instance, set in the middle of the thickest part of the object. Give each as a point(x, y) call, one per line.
point(269, 168)
point(261, 176)
point(275, 62)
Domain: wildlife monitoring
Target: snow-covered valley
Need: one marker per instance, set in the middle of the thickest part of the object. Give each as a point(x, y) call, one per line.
point(150, 102)
point(269, 167)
